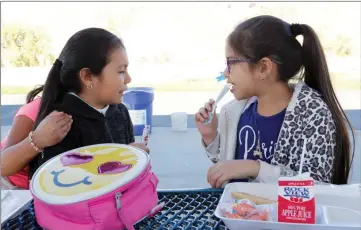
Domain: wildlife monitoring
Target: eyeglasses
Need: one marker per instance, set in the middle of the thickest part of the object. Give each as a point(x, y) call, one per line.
point(232, 61)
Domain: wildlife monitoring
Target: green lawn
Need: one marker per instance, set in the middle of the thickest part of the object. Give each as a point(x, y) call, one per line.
point(340, 81)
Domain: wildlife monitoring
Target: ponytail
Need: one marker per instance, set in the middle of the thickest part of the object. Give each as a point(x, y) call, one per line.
point(53, 92)
point(317, 76)
point(89, 48)
point(33, 93)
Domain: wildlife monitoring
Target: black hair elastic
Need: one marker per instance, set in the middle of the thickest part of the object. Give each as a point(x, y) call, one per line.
point(58, 63)
point(296, 29)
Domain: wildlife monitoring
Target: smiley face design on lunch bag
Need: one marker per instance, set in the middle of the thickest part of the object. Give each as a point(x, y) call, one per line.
point(91, 169)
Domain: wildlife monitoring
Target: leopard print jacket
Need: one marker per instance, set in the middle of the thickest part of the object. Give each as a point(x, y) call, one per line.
point(307, 118)
point(310, 120)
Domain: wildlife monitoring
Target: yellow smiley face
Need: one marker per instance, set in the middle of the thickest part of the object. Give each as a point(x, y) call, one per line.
point(89, 169)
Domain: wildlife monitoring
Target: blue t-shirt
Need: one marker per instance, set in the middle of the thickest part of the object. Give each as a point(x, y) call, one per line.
point(256, 132)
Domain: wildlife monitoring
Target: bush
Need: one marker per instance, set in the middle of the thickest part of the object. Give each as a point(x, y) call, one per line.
point(23, 46)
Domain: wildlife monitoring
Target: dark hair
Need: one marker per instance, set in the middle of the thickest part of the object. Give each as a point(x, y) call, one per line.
point(33, 93)
point(88, 48)
point(268, 36)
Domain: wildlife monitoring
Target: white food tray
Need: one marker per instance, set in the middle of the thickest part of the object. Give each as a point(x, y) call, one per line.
point(339, 208)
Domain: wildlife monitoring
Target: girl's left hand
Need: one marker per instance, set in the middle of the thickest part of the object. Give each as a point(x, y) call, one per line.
point(140, 146)
point(232, 169)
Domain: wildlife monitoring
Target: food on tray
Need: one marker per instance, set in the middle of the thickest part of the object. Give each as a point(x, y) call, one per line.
point(244, 209)
point(255, 199)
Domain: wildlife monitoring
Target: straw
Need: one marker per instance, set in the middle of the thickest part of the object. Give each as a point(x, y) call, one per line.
point(304, 150)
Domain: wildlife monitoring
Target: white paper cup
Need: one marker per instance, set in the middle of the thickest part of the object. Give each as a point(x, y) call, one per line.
point(179, 121)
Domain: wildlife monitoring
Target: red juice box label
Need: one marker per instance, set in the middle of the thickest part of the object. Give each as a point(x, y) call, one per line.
point(296, 201)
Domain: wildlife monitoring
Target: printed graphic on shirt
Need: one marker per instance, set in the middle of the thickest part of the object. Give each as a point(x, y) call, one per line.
point(248, 141)
point(257, 135)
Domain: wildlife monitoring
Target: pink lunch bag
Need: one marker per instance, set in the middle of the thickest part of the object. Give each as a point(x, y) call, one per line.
point(102, 187)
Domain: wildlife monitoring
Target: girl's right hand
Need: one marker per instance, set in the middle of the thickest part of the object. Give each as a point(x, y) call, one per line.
point(52, 129)
point(207, 131)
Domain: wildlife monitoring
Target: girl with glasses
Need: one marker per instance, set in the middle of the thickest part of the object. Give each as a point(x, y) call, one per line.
point(284, 104)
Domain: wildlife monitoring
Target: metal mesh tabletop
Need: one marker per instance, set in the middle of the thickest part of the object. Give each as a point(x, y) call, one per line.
point(186, 209)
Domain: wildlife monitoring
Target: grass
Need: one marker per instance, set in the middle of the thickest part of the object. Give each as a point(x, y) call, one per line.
point(339, 80)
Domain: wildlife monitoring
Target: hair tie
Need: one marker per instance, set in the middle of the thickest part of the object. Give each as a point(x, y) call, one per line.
point(296, 29)
point(58, 63)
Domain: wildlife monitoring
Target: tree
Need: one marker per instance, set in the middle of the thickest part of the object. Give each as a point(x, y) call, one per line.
point(23, 46)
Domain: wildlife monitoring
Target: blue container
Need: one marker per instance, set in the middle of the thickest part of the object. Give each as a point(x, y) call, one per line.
point(139, 101)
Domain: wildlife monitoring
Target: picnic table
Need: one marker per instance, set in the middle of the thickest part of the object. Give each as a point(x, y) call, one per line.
point(191, 209)
point(184, 209)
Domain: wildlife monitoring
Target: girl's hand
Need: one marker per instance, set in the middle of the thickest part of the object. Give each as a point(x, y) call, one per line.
point(140, 146)
point(52, 129)
point(207, 131)
point(232, 169)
